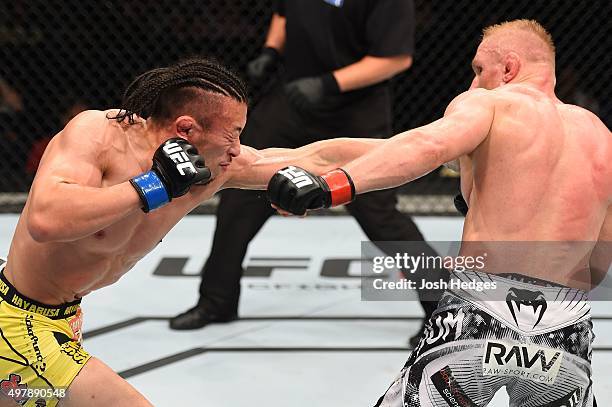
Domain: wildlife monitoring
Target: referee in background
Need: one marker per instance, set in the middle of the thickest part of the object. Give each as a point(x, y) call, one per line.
point(338, 57)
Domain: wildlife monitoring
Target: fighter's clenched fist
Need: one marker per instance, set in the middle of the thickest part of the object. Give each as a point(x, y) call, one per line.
point(295, 190)
point(176, 166)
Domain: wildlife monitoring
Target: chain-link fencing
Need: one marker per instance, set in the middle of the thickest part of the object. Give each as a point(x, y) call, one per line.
point(61, 57)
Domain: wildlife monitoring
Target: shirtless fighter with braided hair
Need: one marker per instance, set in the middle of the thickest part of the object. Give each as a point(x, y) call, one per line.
point(110, 185)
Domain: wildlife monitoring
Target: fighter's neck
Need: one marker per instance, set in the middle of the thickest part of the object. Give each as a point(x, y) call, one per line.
point(144, 143)
point(541, 79)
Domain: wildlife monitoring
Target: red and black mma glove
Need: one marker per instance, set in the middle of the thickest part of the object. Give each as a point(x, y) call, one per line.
point(295, 190)
point(177, 166)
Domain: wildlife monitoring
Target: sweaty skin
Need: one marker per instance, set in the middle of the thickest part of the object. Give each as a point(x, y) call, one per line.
point(82, 227)
point(533, 168)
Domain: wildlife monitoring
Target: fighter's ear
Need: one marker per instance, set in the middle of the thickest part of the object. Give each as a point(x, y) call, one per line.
point(512, 66)
point(184, 125)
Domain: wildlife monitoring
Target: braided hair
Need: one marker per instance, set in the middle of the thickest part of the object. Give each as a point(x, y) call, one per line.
point(158, 92)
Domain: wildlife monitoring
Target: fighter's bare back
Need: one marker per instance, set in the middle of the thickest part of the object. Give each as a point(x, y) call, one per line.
point(543, 173)
point(546, 163)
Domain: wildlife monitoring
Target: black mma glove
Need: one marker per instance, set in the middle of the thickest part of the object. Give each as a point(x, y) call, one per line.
point(176, 167)
point(295, 190)
point(307, 93)
point(261, 66)
point(460, 204)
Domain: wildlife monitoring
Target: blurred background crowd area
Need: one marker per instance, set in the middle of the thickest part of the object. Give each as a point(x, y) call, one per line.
point(59, 58)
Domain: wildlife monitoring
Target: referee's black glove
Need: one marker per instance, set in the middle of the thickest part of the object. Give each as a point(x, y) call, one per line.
point(263, 65)
point(307, 93)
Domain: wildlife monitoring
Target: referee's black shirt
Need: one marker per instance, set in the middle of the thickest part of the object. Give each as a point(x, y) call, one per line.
point(325, 35)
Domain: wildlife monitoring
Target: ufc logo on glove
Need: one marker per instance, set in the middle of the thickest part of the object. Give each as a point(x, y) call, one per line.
point(309, 191)
point(176, 167)
point(176, 153)
point(299, 178)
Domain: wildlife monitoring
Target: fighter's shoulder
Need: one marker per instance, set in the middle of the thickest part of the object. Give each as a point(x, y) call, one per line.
point(90, 128)
point(586, 113)
point(88, 122)
point(87, 118)
point(480, 97)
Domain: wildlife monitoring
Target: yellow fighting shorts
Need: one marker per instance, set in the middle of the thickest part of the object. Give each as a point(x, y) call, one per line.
point(40, 347)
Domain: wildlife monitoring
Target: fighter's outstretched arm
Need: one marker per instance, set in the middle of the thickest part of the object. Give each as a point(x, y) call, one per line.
point(414, 153)
point(396, 161)
point(67, 200)
point(375, 163)
point(253, 168)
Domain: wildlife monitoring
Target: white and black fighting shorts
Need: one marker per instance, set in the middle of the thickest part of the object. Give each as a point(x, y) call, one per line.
point(536, 341)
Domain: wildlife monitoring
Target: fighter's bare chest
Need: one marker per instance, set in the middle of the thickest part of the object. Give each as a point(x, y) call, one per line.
point(139, 232)
point(134, 235)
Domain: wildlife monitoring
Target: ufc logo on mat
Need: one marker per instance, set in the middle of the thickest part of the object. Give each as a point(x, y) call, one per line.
point(176, 153)
point(296, 176)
